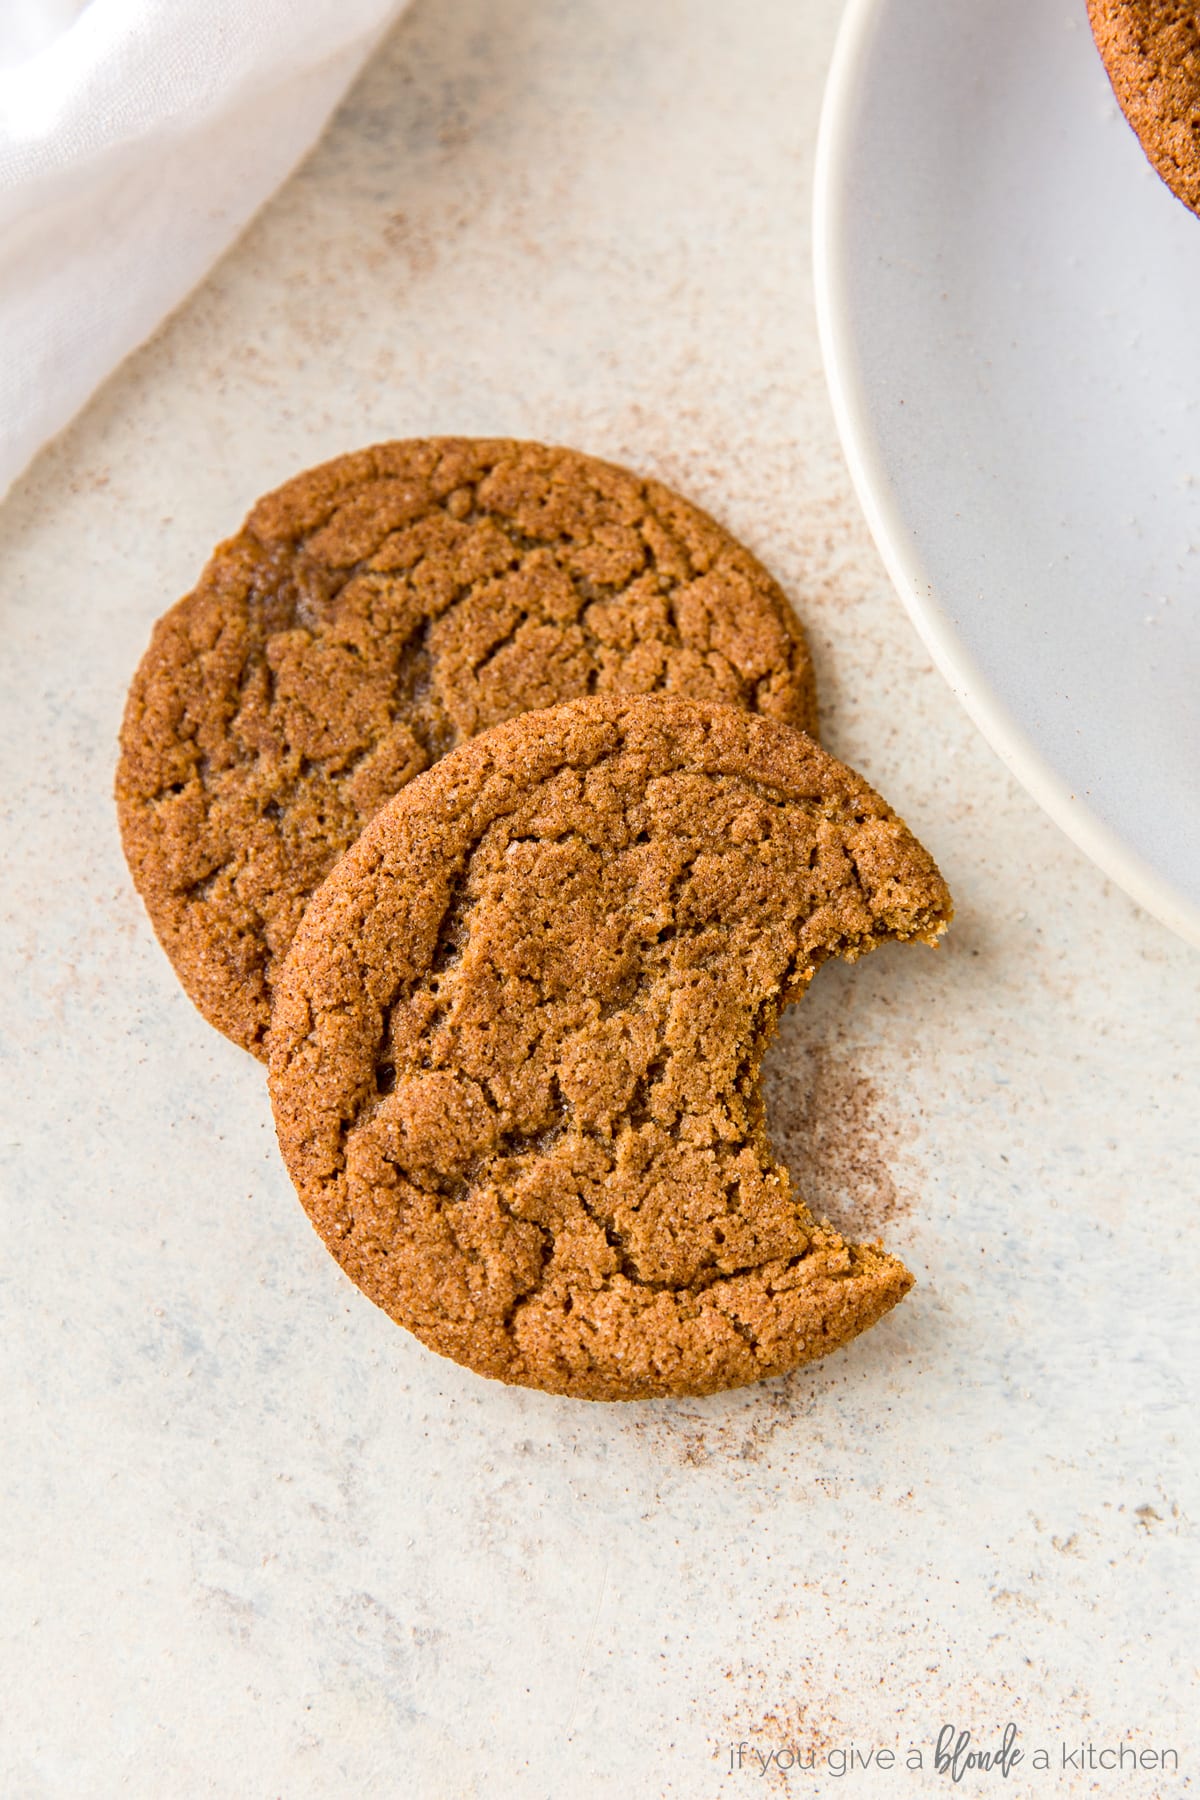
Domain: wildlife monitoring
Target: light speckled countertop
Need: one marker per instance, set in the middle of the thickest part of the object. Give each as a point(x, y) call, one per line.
point(256, 1540)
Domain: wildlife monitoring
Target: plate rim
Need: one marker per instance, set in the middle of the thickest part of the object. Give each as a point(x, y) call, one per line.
point(894, 540)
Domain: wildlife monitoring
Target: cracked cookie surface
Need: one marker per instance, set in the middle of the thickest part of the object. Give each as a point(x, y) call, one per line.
point(374, 613)
point(1151, 50)
point(516, 1048)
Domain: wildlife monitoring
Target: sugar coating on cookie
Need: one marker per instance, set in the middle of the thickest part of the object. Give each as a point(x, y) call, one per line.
point(371, 615)
point(1151, 49)
point(515, 1060)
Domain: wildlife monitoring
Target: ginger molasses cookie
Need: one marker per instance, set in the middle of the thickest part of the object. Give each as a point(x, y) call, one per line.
point(369, 616)
point(516, 1045)
point(1151, 49)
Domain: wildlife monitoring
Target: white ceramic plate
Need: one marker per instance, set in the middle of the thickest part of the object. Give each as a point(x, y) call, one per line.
point(1009, 303)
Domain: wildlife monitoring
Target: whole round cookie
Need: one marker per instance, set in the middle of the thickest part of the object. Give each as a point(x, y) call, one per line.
point(1151, 49)
point(371, 615)
point(516, 1046)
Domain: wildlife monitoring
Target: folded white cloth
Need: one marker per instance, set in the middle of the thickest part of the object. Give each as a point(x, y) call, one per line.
point(137, 138)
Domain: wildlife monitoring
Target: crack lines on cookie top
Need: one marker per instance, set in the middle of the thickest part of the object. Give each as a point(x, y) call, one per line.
point(729, 1117)
point(290, 783)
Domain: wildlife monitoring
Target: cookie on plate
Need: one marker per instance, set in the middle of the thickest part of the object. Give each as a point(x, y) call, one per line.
point(516, 1046)
point(1151, 49)
point(371, 615)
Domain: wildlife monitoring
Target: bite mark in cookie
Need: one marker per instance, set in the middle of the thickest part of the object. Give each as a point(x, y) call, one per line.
point(517, 1045)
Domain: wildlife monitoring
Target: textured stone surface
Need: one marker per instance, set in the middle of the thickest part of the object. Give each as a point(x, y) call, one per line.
point(258, 1541)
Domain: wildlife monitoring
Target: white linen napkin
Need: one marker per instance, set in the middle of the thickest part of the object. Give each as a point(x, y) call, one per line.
point(137, 138)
